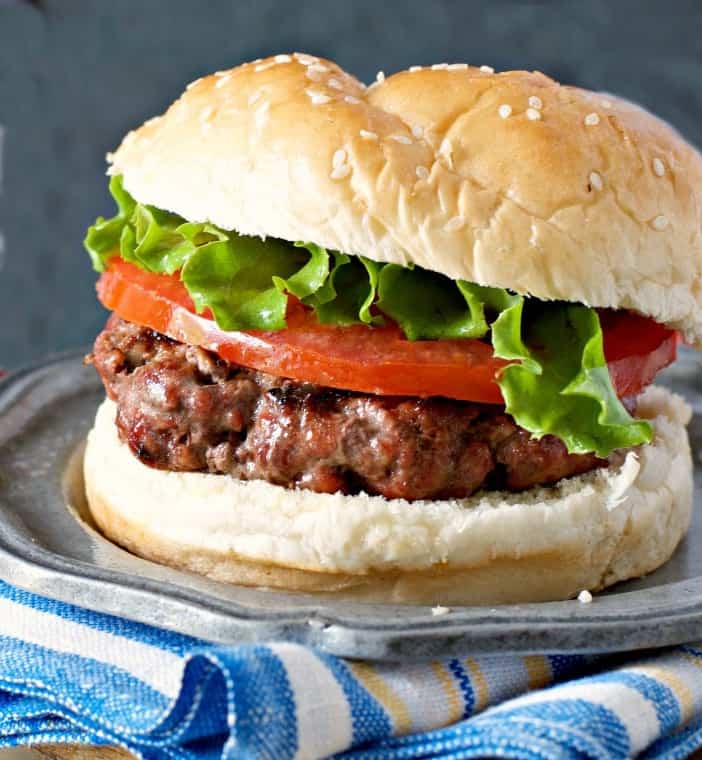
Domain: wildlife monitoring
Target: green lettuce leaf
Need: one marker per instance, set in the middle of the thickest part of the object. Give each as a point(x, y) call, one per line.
point(557, 383)
point(103, 238)
point(561, 385)
point(349, 293)
point(424, 307)
point(428, 305)
point(307, 281)
point(234, 278)
point(156, 241)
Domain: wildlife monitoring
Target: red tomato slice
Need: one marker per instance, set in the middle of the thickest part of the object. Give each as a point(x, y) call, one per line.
point(371, 360)
point(636, 348)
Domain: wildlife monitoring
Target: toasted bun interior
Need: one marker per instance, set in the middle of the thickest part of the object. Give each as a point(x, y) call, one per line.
point(586, 532)
point(506, 179)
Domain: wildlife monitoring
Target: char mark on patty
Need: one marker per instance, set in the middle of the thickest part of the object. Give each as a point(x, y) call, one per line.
point(183, 408)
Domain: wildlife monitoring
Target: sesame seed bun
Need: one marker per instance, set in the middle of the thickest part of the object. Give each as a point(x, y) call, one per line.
point(586, 532)
point(506, 179)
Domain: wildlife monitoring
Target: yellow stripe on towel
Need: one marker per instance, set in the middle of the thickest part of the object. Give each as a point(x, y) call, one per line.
point(480, 684)
point(670, 679)
point(454, 702)
point(538, 671)
point(379, 688)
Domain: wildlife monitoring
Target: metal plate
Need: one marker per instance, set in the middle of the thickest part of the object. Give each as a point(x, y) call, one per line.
point(45, 413)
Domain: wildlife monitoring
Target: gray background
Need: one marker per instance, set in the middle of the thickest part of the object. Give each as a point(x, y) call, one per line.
point(75, 75)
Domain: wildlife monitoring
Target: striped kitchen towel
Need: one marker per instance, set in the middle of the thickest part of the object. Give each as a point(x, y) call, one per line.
point(70, 675)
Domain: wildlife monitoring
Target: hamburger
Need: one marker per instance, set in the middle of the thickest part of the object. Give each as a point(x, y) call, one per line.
point(397, 342)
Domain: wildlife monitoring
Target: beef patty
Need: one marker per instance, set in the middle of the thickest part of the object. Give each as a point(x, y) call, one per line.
point(183, 408)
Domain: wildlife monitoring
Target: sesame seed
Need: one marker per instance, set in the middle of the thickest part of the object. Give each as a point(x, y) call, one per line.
point(339, 158)
point(194, 83)
point(339, 172)
point(414, 68)
point(221, 73)
point(439, 66)
point(109, 157)
point(313, 74)
point(223, 80)
point(487, 69)
point(439, 610)
point(351, 99)
point(536, 102)
point(366, 135)
point(255, 96)
point(335, 83)
point(457, 66)
point(658, 167)
point(318, 67)
point(206, 113)
point(380, 76)
point(532, 114)
point(418, 131)
point(505, 111)
point(454, 224)
point(264, 66)
point(660, 222)
point(591, 120)
point(284, 58)
point(318, 98)
point(596, 180)
point(401, 139)
point(422, 172)
point(585, 597)
point(606, 103)
point(305, 59)
point(257, 60)
point(445, 148)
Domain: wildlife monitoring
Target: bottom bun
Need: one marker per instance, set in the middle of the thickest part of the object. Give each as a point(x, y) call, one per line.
point(544, 544)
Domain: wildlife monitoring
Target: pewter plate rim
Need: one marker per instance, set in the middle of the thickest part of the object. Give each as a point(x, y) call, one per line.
point(45, 549)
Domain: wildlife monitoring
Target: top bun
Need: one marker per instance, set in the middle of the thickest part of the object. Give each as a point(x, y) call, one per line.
point(508, 179)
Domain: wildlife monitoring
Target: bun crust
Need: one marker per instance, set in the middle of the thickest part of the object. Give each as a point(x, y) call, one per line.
point(545, 544)
point(509, 179)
